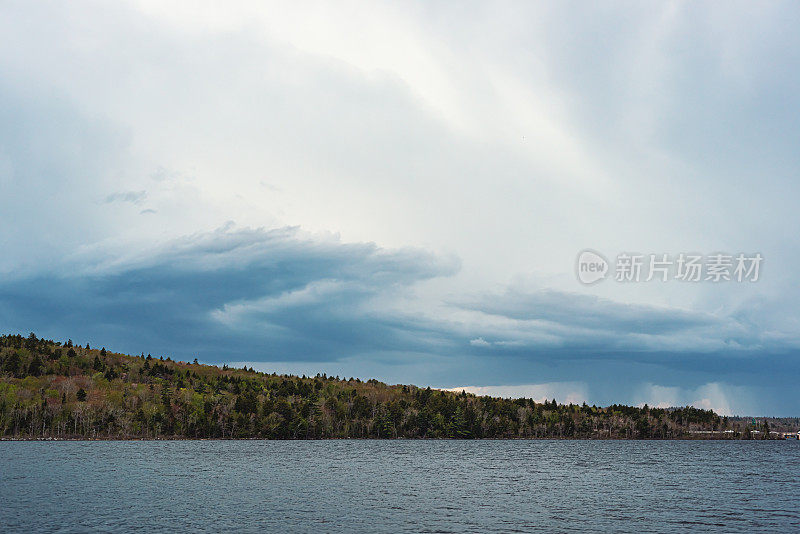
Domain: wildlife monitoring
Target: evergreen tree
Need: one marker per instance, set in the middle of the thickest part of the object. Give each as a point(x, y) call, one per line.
point(36, 366)
point(12, 364)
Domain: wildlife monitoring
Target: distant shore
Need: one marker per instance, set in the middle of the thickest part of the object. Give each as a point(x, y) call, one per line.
point(62, 391)
point(180, 438)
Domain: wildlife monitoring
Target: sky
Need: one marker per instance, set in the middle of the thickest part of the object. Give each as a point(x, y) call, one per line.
point(401, 190)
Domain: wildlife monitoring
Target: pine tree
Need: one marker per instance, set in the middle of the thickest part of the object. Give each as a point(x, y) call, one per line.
point(36, 366)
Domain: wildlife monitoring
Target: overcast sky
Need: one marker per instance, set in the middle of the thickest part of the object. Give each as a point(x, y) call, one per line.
point(400, 190)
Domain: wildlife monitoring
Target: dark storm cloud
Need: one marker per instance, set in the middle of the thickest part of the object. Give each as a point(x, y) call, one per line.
point(281, 295)
point(171, 300)
point(590, 312)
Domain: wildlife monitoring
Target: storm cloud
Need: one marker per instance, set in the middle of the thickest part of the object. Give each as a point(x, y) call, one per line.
point(399, 190)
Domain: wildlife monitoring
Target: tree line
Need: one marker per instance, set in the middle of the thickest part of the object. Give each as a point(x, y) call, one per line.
point(51, 389)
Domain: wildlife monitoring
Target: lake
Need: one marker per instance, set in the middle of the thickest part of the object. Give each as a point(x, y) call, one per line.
point(400, 486)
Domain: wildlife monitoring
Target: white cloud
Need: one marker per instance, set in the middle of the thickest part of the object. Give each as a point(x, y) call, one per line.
point(724, 399)
point(563, 392)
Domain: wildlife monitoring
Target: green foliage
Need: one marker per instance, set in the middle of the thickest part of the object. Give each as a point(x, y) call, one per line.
point(50, 391)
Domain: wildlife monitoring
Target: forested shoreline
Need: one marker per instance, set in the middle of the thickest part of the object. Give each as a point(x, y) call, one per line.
point(59, 390)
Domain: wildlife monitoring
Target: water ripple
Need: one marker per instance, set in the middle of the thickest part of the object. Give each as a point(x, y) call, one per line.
point(399, 486)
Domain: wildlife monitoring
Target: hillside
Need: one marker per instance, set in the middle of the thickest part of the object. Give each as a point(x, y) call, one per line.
point(51, 389)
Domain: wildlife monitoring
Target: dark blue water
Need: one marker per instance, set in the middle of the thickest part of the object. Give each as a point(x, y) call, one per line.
point(391, 486)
